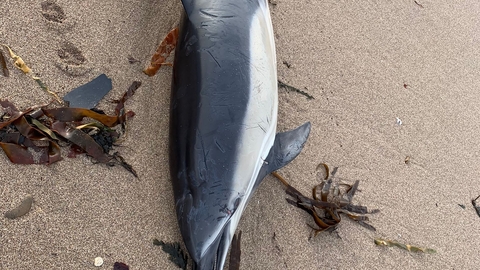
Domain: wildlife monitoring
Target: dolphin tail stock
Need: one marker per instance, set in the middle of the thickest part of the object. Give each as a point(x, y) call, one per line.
point(287, 147)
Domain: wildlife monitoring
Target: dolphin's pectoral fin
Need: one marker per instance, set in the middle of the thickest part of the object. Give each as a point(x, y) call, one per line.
point(286, 148)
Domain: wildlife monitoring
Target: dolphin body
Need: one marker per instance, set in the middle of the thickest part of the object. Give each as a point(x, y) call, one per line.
point(223, 139)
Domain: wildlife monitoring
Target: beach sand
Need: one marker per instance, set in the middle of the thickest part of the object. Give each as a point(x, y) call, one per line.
point(366, 63)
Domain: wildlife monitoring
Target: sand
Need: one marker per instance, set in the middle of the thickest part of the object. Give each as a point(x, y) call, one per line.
point(366, 63)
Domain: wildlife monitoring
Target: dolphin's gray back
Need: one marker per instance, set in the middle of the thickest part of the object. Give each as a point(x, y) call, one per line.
point(223, 116)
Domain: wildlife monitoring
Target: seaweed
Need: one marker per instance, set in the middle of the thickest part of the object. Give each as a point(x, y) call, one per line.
point(293, 89)
point(389, 243)
point(81, 139)
point(32, 136)
point(20, 64)
point(163, 51)
point(65, 114)
point(418, 4)
point(328, 202)
point(175, 252)
point(120, 108)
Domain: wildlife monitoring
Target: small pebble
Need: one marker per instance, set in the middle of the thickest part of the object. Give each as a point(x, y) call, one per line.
point(20, 210)
point(98, 261)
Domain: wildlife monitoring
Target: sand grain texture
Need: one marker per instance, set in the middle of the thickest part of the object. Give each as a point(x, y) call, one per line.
point(365, 62)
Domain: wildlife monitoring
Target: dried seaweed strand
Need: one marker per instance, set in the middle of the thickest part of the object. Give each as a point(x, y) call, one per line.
point(291, 88)
point(389, 243)
point(163, 51)
point(20, 64)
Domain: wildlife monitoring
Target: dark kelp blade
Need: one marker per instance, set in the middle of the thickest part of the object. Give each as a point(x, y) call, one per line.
point(82, 139)
point(21, 155)
point(28, 131)
point(54, 153)
point(44, 129)
point(12, 111)
point(130, 92)
point(77, 114)
point(89, 95)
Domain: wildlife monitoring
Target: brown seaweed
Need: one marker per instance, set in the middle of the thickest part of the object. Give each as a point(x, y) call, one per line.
point(163, 51)
point(12, 112)
point(64, 114)
point(120, 108)
point(81, 139)
point(326, 207)
point(20, 64)
point(31, 136)
point(293, 89)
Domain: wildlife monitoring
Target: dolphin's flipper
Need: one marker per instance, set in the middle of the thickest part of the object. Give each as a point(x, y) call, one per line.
point(286, 148)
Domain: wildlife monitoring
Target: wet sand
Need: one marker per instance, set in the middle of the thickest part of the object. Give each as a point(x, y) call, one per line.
point(366, 64)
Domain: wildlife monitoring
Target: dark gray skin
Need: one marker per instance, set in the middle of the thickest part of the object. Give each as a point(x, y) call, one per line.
point(210, 95)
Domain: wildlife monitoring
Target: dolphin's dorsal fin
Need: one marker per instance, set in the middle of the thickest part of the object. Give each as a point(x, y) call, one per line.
point(286, 148)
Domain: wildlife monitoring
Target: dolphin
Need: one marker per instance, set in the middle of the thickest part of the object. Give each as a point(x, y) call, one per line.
point(223, 121)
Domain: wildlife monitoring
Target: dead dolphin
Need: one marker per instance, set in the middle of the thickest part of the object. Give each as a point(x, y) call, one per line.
point(224, 102)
